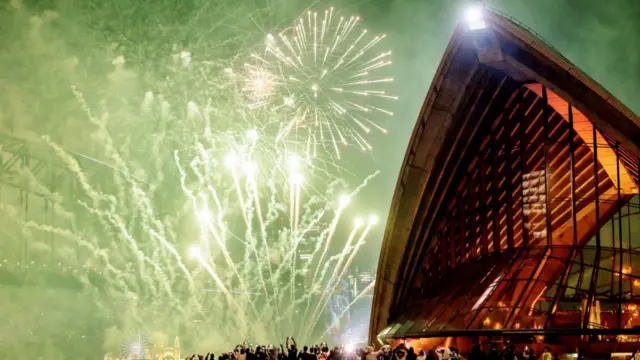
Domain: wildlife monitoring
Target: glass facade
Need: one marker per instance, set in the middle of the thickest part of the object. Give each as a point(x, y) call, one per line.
point(539, 233)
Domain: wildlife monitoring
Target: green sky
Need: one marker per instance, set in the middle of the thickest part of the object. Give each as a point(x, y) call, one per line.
point(47, 45)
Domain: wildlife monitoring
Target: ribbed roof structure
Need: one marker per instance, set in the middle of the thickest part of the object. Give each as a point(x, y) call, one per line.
point(516, 208)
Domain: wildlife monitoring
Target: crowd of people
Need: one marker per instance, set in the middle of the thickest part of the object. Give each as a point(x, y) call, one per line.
point(290, 351)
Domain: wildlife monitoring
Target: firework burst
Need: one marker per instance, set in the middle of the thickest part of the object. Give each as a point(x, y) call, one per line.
point(324, 76)
point(182, 213)
point(135, 347)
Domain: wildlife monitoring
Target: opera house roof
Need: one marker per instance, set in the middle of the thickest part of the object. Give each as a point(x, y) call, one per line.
point(516, 206)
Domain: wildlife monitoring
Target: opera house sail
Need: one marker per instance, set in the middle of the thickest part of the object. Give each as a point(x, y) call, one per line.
point(516, 214)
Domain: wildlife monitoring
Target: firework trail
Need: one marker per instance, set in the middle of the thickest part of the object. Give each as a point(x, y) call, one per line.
point(285, 225)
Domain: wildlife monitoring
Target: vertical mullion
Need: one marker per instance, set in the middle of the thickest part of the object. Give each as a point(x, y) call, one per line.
point(522, 135)
point(572, 150)
point(629, 221)
point(621, 252)
point(473, 210)
point(508, 186)
point(443, 250)
point(597, 184)
point(484, 212)
point(494, 193)
point(615, 254)
point(506, 123)
point(452, 244)
point(547, 213)
point(631, 292)
point(462, 226)
point(596, 263)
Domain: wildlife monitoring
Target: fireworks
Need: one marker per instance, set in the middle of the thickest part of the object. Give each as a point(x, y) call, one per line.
point(135, 347)
point(325, 77)
point(185, 214)
point(280, 215)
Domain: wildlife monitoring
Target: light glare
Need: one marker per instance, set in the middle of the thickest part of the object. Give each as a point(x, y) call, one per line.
point(293, 161)
point(230, 160)
point(252, 135)
point(297, 179)
point(344, 200)
point(194, 251)
point(204, 214)
point(475, 18)
point(250, 168)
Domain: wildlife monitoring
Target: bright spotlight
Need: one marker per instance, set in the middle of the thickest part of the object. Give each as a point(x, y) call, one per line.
point(194, 251)
point(358, 222)
point(475, 18)
point(373, 219)
point(349, 348)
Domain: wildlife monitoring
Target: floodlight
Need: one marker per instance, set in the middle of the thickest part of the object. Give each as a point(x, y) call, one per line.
point(475, 18)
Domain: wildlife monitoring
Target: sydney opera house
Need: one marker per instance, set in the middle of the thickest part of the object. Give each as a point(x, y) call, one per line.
point(516, 214)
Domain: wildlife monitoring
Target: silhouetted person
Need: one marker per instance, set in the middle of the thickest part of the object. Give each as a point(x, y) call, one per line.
point(476, 353)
